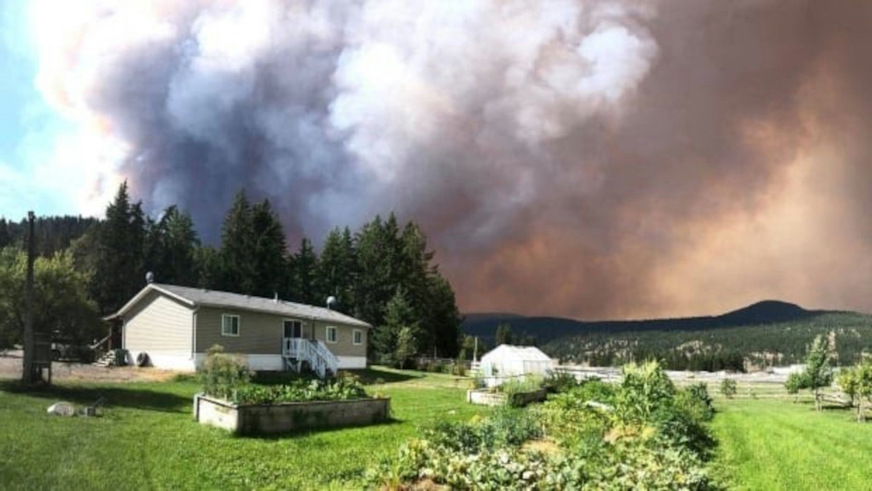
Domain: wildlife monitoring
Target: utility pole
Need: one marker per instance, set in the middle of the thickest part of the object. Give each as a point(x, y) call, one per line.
point(29, 367)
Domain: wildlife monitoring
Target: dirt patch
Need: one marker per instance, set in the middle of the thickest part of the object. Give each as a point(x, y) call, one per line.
point(10, 368)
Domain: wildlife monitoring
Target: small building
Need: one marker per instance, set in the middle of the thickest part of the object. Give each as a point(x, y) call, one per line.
point(173, 327)
point(506, 361)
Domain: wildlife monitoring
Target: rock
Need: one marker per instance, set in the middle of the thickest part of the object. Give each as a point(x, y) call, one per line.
point(62, 409)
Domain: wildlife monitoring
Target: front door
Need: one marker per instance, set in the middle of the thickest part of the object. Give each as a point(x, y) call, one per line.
point(293, 329)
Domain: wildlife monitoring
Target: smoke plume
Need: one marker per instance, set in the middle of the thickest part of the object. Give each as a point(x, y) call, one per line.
point(583, 158)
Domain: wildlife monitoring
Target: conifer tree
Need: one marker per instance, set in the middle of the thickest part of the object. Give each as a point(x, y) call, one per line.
point(269, 251)
point(396, 340)
point(5, 237)
point(304, 267)
point(337, 268)
point(118, 267)
point(237, 246)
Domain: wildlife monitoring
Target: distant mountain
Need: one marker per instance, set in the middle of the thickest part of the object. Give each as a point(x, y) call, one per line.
point(765, 332)
point(766, 312)
point(547, 329)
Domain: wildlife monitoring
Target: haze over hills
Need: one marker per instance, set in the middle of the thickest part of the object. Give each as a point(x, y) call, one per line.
point(762, 334)
point(547, 329)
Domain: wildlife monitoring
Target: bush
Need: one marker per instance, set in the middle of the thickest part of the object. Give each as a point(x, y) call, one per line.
point(643, 433)
point(645, 389)
point(697, 401)
point(300, 390)
point(505, 426)
point(568, 419)
point(519, 385)
point(560, 381)
point(223, 375)
point(728, 388)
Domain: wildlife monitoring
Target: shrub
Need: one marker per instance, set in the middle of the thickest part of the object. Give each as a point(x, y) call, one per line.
point(505, 426)
point(518, 385)
point(642, 433)
point(645, 389)
point(560, 381)
point(300, 390)
point(728, 388)
point(223, 375)
point(697, 401)
point(796, 381)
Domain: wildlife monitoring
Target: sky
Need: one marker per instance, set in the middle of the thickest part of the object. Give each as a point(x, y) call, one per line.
point(590, 159)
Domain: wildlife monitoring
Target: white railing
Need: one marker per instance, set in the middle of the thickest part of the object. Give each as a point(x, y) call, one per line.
point(320, 358)
point(329, 357)
point(294, 347)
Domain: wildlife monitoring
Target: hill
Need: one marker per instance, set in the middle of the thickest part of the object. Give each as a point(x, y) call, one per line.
point(547, 329)
point(765, 333)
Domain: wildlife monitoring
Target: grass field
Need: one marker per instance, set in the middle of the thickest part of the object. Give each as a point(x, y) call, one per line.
point(777, 444)
point(147, 439)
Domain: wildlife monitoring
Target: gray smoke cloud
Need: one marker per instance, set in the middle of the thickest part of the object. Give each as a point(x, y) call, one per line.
point(590, 159)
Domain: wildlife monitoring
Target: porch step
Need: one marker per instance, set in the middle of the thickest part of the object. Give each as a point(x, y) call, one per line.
point(107, 360)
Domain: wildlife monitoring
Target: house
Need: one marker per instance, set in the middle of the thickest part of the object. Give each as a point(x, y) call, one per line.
point(506, 362)
point(173, 326)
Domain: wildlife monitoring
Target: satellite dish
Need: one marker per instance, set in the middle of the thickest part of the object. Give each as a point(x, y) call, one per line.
point(331, 300)
point(149, 277)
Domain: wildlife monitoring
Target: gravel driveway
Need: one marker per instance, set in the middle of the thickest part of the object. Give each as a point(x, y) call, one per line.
point(10, 368)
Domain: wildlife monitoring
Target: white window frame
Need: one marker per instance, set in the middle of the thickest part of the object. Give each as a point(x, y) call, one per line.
point(327, 334)
point(230, 334)
point(357, 337)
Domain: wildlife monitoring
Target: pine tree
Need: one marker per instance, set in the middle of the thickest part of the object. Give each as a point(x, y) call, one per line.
point(237, 248)
point(207, 266)
point(118, 267)
point(304, 267)
point(378, 252)
point(396, 340)
point(503, 334)
point(5, 237)
point(269, 250)
point(180, 244)
point(443, 318)
point(337, 269)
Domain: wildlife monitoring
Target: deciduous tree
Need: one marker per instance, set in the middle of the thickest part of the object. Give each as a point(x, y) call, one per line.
point(818, 368)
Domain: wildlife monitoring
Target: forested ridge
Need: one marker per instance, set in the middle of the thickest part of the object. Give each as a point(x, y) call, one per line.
point(383, 273)
point(765, 334)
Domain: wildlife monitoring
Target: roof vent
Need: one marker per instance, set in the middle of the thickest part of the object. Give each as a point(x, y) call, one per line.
point(149, 277)
point(331, 300)
point(276, 297)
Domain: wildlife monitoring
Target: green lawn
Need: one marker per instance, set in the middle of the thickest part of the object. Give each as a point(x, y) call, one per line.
point(777, 444)
point(147, 439)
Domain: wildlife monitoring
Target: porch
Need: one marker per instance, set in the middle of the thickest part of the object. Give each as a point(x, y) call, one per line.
point(298, 351)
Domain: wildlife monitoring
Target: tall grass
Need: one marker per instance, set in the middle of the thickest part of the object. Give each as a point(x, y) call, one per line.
point(778, 444)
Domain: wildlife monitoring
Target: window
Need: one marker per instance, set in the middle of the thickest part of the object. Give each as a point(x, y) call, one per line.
point(331, 334)
point(358, 336)
point(229, 325)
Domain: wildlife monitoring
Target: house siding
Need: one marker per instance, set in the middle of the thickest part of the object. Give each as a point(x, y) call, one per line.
point(259, 333)
point(344, 345)
point(159, 325)
point(262, 333)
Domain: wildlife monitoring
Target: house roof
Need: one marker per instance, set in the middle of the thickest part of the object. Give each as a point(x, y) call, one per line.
point(197, 297)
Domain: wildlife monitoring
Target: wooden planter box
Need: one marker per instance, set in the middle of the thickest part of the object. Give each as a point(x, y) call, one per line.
point(261, 419)
point(488, 398)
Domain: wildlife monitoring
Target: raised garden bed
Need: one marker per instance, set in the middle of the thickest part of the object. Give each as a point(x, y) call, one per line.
point(283, 417)
point(489, 397)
